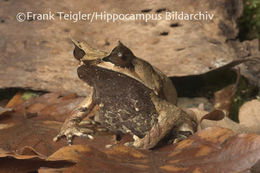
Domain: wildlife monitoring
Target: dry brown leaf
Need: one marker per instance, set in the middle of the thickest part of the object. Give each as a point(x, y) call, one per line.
point(50, 170)
point(50, 106)
point(90, 159)
point(39, 134)
point(224, 98)
point(14, 163)
point(36, 134)
point(224, 123)
point(215, 115)
point(37, 131)
point(215, 150)
point(5, 111)
point(121, 152)
point(27, 150)
point(256, 167)
point(16, 100)
point(207, 149)
point(201, 152)
point(204, 152)
point(71, 152)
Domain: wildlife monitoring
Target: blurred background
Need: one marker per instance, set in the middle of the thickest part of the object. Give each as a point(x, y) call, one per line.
point(37, 54)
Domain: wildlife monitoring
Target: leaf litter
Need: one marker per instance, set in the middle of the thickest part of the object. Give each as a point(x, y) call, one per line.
point(220, 142)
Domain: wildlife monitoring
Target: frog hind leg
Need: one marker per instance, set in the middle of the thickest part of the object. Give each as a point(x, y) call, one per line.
point(171, 120)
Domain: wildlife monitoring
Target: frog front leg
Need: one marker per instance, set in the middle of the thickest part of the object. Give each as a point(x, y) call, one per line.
point(71, 127)
point(171, 119)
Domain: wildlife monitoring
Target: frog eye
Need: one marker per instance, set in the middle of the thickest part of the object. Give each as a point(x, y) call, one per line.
point(121, 56)
point(78, 53)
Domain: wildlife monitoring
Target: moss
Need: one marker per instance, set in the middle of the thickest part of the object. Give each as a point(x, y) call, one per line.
point(245, 92)
point(249, 23)
point(8, 93)
point(29, 94)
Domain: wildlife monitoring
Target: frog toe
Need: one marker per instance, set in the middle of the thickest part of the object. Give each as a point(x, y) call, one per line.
point(56, 138)
point(74, 131)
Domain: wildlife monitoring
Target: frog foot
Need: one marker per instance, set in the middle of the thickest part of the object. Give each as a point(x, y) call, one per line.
point(135, 143)
point(71, 129)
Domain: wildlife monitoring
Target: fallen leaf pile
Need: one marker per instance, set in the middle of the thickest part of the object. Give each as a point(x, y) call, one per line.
point(27, 129)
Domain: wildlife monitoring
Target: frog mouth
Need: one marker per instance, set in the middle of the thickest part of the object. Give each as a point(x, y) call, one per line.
point(96, 61)
point(93, 62)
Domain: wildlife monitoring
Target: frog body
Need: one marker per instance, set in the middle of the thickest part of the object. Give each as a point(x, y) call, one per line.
point(131, 95)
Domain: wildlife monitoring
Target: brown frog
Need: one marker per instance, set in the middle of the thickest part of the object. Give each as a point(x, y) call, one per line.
point(131, 95)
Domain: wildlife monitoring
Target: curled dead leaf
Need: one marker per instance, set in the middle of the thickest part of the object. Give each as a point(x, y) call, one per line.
point(204, 151)
point(15, 163)
point(5, 111)
point(224, 123)
point(224, 98)
point(16, 100)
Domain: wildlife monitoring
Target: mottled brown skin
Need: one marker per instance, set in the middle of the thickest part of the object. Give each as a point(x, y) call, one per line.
point(126, 103)
point(151, 77)
point(132, 96)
